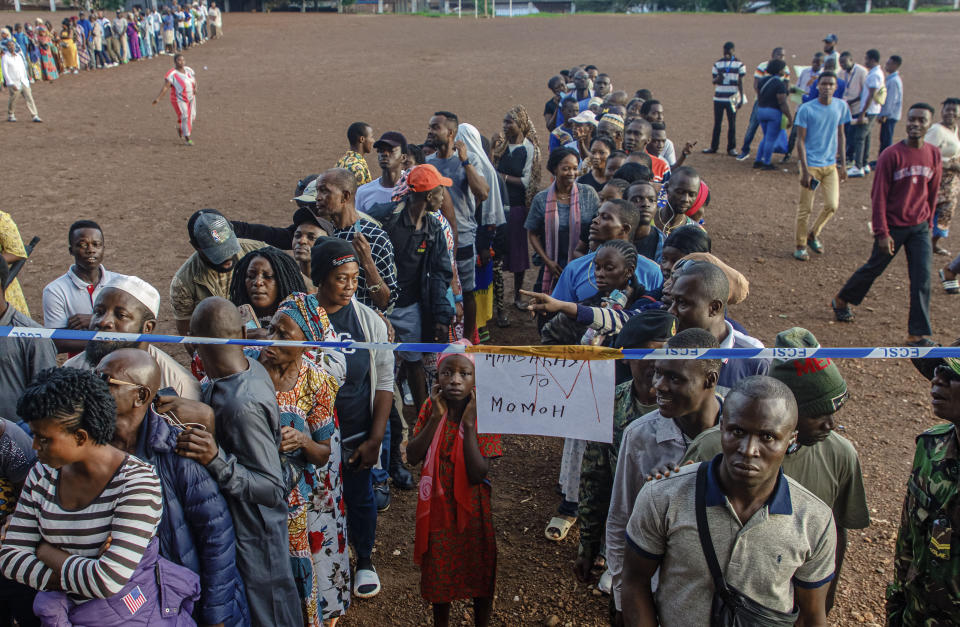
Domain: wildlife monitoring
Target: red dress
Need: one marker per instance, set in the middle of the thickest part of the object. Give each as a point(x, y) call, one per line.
point(459, 565)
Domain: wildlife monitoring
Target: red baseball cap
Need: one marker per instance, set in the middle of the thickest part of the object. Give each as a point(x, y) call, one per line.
point(423, 178)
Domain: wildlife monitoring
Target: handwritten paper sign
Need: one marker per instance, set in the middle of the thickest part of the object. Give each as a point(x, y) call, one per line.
point(563, 398)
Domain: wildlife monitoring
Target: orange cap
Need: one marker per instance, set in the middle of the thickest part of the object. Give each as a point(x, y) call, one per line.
point(423, 178)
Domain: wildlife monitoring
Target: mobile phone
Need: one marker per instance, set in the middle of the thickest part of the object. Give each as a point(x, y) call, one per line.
point(814, 183)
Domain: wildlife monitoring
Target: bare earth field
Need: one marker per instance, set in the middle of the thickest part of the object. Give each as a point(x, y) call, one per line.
point(275, 98)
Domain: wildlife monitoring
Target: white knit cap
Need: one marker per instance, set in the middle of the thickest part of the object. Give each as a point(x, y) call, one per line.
point(148, 295)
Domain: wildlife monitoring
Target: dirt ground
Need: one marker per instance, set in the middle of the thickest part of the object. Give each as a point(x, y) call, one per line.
point(275, 98)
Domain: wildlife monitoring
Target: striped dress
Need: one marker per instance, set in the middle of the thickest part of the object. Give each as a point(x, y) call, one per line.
point(128, 510)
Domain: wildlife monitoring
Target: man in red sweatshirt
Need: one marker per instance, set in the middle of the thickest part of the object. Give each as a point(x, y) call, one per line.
point(904, 198)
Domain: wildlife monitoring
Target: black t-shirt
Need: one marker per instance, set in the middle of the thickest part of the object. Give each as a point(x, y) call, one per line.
point(769, 88)
point(409, 255)
point(647, 246)
point(589, 179)
point(548, 109)
point(353, 398)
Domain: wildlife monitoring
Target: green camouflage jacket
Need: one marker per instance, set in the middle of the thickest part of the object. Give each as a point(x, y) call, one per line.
point(926, 587)
point(599, 466)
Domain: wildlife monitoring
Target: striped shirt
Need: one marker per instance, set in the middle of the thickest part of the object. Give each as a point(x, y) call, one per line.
point(127, 511)
point(182, 84)
point(731, 71)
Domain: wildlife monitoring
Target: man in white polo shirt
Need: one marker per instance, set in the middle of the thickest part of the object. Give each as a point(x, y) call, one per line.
point(68, 300)
point(774, 540)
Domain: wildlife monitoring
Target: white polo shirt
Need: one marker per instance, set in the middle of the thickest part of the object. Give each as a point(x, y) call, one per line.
point(69, 295)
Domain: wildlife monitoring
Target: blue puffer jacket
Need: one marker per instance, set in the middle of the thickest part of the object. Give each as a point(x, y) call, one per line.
point(196, 530)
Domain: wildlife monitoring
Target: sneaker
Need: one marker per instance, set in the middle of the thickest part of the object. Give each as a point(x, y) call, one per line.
point(606, 582)
point(407, 395)
point(866, 169)
point(37, 119)
point(381, 495)
point(853, 172)
point(743, 156)
point(11, 118)
point(769, 167)
point(733, 153)
point(815, 244)
point(801, 254)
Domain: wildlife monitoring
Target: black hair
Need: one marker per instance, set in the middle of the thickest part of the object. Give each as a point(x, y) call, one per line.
point(633, 172)
point(846, 53)
point(590, 67)
point(689, 238)
point(715, 284)
point(554, 80)
point(658, 126)
point(619, 184)
point(873, 54)
point(951, 101)
point(827, 74)
point(416, 151)
point(625, 248)
point(818, 55)
point(647, 105)
point(617, 154)
point(775, 66)
point(452, 120)
point(565, 73)
point(644, 94)
point(356, 130)
point(685, 170)
point(697, 338)
point(606, 141)
point(728, 46)
point(600, 74)
point(761, 388)
point(76, 399)
point(629, 213)
point(896, 58)
point(82, 224)
point(557, 155)
point(4, 270)
point(924, 106)
point(286, 273)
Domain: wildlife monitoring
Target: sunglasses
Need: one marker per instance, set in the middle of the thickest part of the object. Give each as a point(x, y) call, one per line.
point(946, 372)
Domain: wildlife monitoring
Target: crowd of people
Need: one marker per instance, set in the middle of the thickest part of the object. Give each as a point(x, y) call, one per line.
point(38, 52)
point(232, 490)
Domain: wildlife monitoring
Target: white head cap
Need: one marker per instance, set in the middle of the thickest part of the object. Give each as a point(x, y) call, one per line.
point(148, 295)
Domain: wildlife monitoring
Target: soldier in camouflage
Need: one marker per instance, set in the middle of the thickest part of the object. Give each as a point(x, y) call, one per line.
point(926, 586)
point(649, 329)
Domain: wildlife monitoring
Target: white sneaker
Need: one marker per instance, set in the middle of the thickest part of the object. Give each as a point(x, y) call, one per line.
point(37, 119)
point(11, 118)
point(853, 172)
point(866, 169)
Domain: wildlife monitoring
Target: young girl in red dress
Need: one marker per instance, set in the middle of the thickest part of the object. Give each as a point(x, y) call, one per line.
point(455, 545)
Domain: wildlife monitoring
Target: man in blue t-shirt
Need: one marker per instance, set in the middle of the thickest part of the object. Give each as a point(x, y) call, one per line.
point(616, 219)
point(820, 131)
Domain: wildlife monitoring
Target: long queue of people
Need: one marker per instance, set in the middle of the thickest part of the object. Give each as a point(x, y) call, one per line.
point(232, 491)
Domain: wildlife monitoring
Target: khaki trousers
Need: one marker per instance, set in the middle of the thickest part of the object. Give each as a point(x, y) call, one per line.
point(27, 95)
point(830, 184)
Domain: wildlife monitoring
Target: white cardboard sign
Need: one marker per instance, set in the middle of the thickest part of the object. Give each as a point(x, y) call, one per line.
point(563, 398)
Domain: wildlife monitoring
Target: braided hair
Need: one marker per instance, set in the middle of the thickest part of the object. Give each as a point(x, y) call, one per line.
point(629, 253)
point(527, 131)
point(76, 399)
point(286, 273)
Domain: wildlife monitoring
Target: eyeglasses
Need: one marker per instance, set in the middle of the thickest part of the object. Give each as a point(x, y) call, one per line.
point(946, 372)
point(106, 378)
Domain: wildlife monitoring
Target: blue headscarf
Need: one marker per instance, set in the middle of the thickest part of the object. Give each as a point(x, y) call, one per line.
point(305, 310)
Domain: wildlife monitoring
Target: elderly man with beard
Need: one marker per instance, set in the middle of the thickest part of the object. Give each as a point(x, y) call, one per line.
point(209, 270)
point(128, 304)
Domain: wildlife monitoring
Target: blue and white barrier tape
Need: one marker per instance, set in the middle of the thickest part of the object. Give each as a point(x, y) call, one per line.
point(887, 352)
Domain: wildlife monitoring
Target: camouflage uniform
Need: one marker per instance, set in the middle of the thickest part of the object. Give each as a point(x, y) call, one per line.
point(926, 586)
point(599, 466)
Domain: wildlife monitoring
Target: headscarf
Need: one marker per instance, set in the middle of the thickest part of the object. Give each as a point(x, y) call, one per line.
point(493, 206)
point(430, 487)
point(527, 131)
point(306, 312)
point(702, 194)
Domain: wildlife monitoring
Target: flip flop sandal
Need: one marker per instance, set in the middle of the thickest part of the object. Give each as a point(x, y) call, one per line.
point(558, 528)
point(366, 584)
point(842, 314)
point(951, 286)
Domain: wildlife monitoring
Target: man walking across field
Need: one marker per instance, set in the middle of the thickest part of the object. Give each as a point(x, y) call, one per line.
point(904, 198)
point(820, 131)
point(17, 80)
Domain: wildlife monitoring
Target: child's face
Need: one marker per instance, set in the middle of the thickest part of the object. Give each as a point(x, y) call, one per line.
point(456, 376)
point(611, 271)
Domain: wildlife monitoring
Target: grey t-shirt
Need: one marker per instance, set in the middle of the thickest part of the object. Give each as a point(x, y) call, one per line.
point(463, 201)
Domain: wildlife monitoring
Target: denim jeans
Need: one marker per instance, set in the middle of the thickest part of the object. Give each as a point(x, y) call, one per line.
point(916, 241)
point(886, 134)
point(752, 127)
point(770, 121)
point(381, 474)
point(361, 510)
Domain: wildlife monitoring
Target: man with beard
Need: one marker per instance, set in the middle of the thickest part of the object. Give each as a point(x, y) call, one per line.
point(128, 304)
point(68, 300)
point(771, 540)
point(821, 460)
point(687, 404)
point(209, 270)
point(647, 238)
point(635, 139)
point(391, 155)
point(581, 89)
